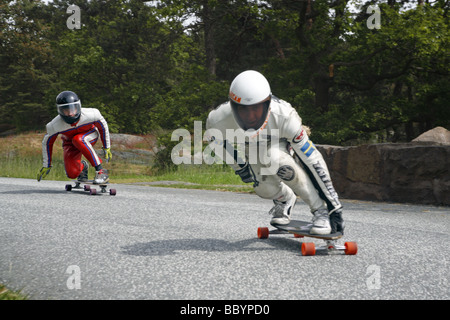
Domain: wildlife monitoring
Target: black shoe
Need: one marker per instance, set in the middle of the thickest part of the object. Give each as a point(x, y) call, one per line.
point(83, 177)
point(337, 222)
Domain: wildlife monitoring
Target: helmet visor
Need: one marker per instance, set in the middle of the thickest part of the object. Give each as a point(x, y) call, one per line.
point(250, 116)
point(69, 110)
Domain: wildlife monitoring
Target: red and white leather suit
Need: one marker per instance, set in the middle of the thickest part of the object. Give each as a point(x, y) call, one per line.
point(78, 139)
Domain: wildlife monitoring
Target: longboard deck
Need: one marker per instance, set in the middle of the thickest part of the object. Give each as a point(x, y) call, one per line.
point(303, 228)
point(90, 182)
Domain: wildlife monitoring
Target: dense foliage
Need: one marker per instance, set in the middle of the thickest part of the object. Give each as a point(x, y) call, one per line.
point(163, 64)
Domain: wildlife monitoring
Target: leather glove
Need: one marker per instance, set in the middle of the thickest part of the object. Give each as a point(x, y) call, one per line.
point(43, 173)
point(247, 175)
point(337, 222)
point(108, 154)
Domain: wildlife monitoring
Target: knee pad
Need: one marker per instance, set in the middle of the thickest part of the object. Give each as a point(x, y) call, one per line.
point(286, 172)
point(78, 142)
point(268, 188)
point(73, 169)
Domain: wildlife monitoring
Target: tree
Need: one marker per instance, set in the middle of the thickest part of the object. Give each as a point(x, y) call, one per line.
point(349, 81)
point(163, 66)
point(123, 61)
point(25, 63)
point(396, 75)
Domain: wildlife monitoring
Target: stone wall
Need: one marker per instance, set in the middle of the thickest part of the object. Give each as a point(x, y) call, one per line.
point(412, 172)
point(416, 172)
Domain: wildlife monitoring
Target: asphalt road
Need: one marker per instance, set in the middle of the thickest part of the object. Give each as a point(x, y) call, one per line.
point(165, 243)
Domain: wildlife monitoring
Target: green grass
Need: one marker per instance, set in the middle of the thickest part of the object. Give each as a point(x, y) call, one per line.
point(21, 157)
point(210, 177)
point(6, 294)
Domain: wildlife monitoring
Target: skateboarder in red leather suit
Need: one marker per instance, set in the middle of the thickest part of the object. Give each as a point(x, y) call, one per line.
point(80, 128)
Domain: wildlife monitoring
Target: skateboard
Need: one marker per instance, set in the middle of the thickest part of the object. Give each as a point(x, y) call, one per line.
point(302, 229)
point(87, 187)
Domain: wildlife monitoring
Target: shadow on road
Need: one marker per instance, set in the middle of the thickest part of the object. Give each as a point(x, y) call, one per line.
point(171, 247)
point(34, 191)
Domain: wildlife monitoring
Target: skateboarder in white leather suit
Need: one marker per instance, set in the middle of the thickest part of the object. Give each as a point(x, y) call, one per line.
point(300, 169)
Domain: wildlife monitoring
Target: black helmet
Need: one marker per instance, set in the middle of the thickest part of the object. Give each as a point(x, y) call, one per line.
point(69, 106)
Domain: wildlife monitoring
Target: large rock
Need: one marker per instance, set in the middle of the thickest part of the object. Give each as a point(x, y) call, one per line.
point(408, 172)
point(437, 135)
point(131, 148)
point(125, 139)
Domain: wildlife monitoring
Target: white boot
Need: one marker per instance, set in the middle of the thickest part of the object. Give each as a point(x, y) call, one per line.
point(321, 222)
point(281, 211)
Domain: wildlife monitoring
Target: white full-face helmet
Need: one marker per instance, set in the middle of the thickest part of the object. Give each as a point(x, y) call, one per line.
point(250, 88)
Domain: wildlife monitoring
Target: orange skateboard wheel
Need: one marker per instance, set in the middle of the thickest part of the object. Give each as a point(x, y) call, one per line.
point(263, 232)
point(351, 248)
point(308, 249)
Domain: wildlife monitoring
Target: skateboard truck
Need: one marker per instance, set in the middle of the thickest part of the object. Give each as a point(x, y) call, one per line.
point(331, 247)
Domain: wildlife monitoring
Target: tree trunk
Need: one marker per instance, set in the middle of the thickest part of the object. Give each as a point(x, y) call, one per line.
point(322, 85)
point(208, 21)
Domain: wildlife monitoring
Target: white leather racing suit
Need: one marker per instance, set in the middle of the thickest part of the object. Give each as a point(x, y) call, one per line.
point(294, 162)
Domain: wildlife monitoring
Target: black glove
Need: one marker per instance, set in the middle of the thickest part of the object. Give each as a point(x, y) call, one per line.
point(247, 175)
point(337, 222)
